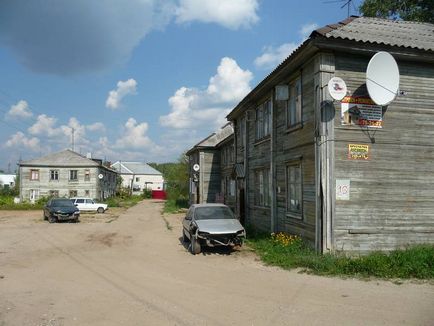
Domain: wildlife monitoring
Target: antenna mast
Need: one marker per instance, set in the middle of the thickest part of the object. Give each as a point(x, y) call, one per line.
point(72, 140)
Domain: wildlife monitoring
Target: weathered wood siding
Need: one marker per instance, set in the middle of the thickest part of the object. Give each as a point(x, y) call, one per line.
point(226, 169)
point(392, 194)
point(296, 145)
point(209, 175)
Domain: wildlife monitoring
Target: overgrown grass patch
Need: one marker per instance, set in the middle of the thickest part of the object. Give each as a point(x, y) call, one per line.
point(7, 203)
point(413, 262)
point(172, 206)
point(124, 201)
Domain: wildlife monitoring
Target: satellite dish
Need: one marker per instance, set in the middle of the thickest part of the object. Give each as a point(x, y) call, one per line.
point(382, 78)
point(196, 167)
point(337, 88)
point(100, 176)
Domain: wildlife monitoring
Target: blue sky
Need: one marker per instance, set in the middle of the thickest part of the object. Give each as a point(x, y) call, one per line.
point(137, 80)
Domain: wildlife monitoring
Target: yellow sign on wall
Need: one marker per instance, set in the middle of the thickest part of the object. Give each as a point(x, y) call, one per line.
point(358, 152)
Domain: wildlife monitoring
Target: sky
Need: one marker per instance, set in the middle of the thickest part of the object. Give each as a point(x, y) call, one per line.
point(137, 80)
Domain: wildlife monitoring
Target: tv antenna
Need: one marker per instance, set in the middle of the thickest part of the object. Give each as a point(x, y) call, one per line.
point(346, 3)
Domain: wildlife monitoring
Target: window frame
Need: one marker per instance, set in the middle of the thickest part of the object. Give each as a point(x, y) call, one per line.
point(298, 189)
point(295, 102)
point(263, 123)
point(55, 174)
point(71, 174)
point(262, 184)
point(87, 175)
point(36, 173)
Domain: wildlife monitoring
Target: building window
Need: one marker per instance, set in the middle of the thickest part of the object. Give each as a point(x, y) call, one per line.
point(294, 188)
point(34, 175)
point(87, 193)
point(294, 104)
point(86, 175)
point(242, 129)
point(73, 193)
point(73, 175)
point(262, 188)
point(54, 175)
point(137, 179)
point(54, 193)
point(263, 120)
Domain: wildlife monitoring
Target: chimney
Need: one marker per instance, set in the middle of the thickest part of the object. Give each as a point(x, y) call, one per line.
point(89, 155)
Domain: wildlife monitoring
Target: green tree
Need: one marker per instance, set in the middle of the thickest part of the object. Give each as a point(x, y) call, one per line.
point(413, 10)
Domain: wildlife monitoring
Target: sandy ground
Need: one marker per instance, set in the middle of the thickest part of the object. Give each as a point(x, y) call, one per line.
point(129, 268)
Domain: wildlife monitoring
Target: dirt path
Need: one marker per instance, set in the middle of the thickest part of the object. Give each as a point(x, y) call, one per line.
point(135, 271)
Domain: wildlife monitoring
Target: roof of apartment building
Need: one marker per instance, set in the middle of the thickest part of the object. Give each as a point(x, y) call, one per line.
point(134, 168)
point(215, 138)
point(365, 30)
point(64, 158)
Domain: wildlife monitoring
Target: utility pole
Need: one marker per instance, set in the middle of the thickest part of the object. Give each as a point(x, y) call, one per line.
point(72, 141)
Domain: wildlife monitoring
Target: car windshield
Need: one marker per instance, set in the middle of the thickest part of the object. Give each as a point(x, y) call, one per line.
point(213, 213)
point(62, 203)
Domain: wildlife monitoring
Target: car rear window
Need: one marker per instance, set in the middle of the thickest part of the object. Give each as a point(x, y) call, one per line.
point(213, 213)
point(62, 202)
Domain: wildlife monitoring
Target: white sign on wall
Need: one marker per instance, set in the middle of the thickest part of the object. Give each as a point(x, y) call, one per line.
point(343, 189)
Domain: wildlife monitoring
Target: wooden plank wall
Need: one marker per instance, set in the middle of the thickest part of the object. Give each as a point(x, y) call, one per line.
point(392, 194)
point(210, 177)
point(294, 145)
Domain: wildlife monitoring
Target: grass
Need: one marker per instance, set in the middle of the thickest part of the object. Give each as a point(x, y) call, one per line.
point(415, 262)
point(123, 201)
point(172, 206)
point(7, 203)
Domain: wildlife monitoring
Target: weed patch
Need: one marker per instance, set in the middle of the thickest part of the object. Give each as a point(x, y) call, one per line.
point(290, 252)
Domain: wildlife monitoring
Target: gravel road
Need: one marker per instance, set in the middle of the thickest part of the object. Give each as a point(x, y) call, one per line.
point(134, 270)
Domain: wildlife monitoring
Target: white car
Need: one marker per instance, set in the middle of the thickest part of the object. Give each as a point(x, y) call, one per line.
point(87, 204)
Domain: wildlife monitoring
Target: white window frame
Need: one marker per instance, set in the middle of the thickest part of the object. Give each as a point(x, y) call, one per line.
point(71, 174)
point(54, 175)
point(34, 175)
point(263, 119)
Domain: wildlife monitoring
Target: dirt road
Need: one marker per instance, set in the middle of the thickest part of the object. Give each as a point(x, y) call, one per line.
point(134, 270)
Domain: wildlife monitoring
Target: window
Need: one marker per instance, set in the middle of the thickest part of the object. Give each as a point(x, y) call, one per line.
point(73, 175)
point(89, 201)
point(263, 120)
point(86, 192)
point(79, 201)
point(53, 193)
point(86, 175)
point(72, 193)
point(137, 179)
point(293, 105)
point(54, 175)
point(262, 188)
point(294, 188)
point(34, 175)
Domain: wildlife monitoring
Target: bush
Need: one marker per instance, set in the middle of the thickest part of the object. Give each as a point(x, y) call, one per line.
point(147, 193)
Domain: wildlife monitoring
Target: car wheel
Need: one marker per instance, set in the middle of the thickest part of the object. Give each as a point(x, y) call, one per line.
point(100, 210)
point(184, 236)
point(52, 219)
point(195, 246)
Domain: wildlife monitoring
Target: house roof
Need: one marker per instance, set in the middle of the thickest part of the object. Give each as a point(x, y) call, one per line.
point(399, 33)
point(363, 30)
point(215, 138)
point(134, 168)
point(59, 159)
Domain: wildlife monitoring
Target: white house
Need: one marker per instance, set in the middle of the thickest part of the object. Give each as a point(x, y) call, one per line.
point(7, 180)
point(140, 175)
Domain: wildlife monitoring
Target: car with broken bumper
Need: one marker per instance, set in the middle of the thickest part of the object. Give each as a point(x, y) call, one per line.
point(60, 209)
point(211, 225)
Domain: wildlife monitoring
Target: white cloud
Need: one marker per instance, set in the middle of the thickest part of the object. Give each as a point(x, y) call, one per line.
point(228, 13)
point(97, 126)
point(273, 56)
point(124, 88)
point(134, 136)
point(194, 107)
point(20, 110)
point(21, 140)
point(45, 126)
point(307, 29)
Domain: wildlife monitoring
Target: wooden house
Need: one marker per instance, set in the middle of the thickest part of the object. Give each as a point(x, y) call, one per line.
point(211, 164)
point(65, 174)
point(346, 185)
